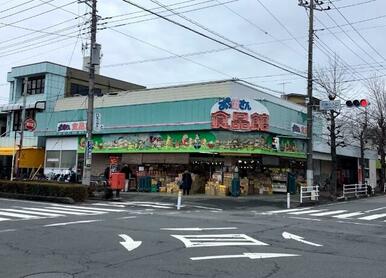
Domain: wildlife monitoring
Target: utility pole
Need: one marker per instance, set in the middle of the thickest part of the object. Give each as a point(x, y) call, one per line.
point(94, 60)
point(311, 5)
point(18, 156)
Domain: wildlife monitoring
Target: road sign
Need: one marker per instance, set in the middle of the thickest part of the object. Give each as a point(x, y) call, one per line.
point(329, 105)
point(29, 124)
point(89, 146)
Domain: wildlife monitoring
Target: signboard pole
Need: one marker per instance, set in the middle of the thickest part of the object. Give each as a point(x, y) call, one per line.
point(18, 154)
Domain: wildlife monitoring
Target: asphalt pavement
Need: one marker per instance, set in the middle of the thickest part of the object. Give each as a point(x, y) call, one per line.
point(151, 238)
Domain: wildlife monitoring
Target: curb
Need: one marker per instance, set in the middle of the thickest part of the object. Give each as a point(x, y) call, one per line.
point(52, 199)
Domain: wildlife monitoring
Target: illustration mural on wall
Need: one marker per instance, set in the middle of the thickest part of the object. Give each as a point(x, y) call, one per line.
point(193, 142)
point(239, 115)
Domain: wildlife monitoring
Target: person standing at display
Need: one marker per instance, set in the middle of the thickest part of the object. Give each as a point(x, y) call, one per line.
point(186, 182)
point(126, 170)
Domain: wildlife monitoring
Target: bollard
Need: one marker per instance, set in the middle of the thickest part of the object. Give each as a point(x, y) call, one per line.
point(288, 200)
point(179, 199)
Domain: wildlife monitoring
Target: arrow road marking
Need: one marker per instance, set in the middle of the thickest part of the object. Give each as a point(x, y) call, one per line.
point(198, 229)
point(252, 256)
point(129, 243)
point(299, 238)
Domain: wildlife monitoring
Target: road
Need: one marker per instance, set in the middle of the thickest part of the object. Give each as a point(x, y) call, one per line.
point(153, 239)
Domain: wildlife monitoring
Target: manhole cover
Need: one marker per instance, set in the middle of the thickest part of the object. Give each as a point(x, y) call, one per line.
point(50, 275)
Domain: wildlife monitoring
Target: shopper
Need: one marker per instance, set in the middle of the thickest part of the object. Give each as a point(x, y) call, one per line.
point(126, 170)
point(186, 182)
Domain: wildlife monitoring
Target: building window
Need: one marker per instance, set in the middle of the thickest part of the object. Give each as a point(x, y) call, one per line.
point(61, 159)
point(29, 113)
point(35, 85)
point(82, 90)
point(53, 159)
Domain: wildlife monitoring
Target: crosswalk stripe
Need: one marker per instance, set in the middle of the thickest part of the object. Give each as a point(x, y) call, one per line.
point(78, 210)
point(373, 217)
point(27, 211)
point(59, 211)
point(287, 210)
point(18, 215)
point(348, 215)
point(90, 208)
point(4, 219)
point(305, 212)
point(328, 212)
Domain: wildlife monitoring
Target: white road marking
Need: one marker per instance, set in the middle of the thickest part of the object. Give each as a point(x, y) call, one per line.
point(78, 210)
point(127, 217)
point(8, 230)
point(217, 240)
point(287, 235)
point(59, 211)
point(72, 223)
point(348, 215)
point(18, 215)
point(251, 256)
point(283, 211)
point(35, 212)
point(89, 208)
point(373, 217)
point(304, 218)
point(108, 205)
point(371, 210)
point(129, 243)
point(306, 212)
point(357, 223)
point(4, 219)
point(198, 229)
point(208, 208)
point(328, 212)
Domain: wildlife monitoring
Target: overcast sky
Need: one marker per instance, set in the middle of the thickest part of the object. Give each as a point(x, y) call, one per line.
point(139, 48)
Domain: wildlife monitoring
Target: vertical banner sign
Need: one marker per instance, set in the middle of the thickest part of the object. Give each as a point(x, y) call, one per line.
point(89, 146)
point(98, 121)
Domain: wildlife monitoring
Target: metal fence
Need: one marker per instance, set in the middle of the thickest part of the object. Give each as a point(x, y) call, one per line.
point(354, 190)
point(309, 193)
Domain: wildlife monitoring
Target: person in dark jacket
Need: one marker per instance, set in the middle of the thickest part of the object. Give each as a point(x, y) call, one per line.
point(186, 182)
point(126, 170)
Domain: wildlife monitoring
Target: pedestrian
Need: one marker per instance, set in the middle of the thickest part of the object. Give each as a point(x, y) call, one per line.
point(107, 189)
point(186, 182)
point(127, 171)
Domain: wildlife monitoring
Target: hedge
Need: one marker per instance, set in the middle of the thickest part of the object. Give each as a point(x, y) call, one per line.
point(35, 188)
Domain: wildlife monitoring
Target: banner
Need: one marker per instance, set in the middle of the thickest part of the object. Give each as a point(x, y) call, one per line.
point(194, 142)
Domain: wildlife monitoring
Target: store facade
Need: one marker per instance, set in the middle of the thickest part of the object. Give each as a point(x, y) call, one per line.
point(211, 129)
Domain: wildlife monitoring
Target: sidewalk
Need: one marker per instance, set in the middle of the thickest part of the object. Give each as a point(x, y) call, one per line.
point(227, 202)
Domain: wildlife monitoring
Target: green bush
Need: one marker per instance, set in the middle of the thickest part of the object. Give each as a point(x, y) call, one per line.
point(35, 188)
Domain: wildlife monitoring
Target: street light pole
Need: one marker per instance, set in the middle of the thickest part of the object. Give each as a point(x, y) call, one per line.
point(94, 60)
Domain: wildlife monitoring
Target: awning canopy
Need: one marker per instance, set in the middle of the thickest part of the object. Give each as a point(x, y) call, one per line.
point(30, 157)
point(40, 105)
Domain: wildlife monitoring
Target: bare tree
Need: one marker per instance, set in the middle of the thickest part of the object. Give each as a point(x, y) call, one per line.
point(330, 84)
point(377, 93)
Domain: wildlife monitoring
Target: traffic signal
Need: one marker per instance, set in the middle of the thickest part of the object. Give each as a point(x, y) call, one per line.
point(357, 103)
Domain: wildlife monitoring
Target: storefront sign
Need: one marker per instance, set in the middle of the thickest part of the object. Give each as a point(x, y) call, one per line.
point(194, 142)
point(98, 121)
point(29, 124)
point(72, 126)
point(239, 115)
point(299, 129)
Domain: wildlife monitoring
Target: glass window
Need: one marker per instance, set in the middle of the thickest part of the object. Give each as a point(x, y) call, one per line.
point(68, 159)
point(35, 85)
point(52, 159)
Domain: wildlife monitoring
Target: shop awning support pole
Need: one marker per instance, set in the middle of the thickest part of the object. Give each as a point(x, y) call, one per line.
point(13, 158)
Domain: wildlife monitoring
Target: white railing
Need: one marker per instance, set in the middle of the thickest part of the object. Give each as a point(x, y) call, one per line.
point(354, 190)
point(309, 193)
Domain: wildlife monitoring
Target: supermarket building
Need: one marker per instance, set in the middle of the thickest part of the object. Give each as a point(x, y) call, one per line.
point(209, 128)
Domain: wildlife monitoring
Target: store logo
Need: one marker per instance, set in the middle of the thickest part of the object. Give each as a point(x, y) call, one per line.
point(239, 115)
point(71, 126)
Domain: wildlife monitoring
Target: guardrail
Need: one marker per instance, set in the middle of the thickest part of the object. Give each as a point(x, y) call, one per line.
point(357, 190)
point(309, 193)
